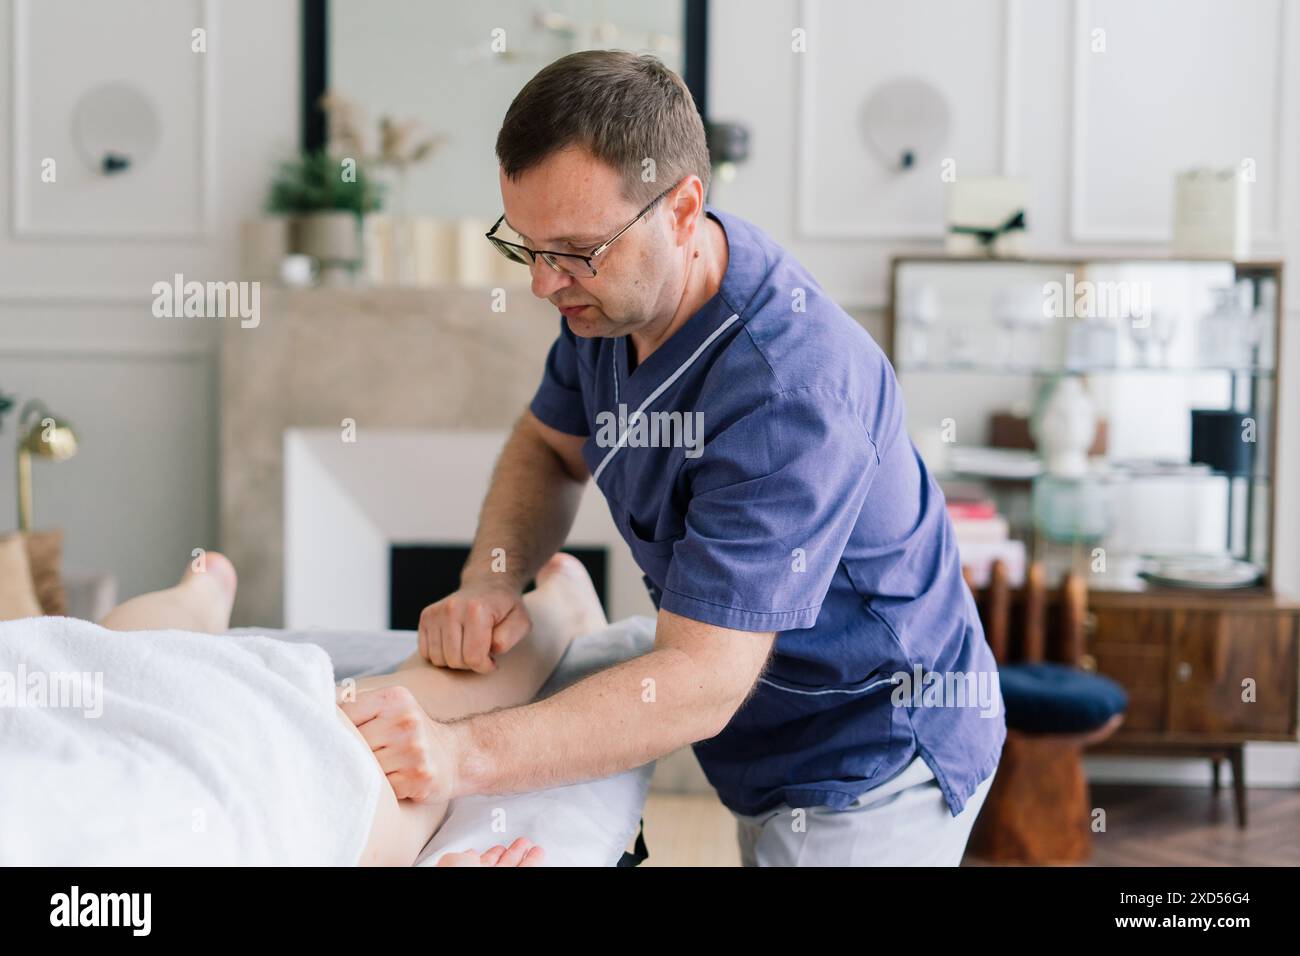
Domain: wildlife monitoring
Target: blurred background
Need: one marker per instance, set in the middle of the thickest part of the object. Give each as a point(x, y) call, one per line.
point(1067, 221)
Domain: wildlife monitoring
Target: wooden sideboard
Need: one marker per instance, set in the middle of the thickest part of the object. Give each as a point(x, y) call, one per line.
point(1205, 672)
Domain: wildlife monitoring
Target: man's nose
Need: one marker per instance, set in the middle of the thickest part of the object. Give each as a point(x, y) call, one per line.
point(547, 281)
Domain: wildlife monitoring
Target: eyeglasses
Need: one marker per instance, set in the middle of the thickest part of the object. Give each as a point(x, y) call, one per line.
point(567, 263)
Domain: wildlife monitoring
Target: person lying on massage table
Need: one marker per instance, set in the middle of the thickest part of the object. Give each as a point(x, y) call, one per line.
point(382, 711)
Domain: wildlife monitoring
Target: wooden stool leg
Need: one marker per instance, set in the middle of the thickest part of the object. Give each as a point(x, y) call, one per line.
point(1215, 764)
point(1037, 809)
point(1237, 756)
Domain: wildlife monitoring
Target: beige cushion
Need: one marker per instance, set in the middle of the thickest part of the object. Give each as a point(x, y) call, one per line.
point(44, 555)
point(17, 595)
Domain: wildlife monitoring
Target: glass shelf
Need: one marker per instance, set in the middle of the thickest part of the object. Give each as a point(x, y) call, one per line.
point(1045, 371)
point(978, 349)
point(1109, 478)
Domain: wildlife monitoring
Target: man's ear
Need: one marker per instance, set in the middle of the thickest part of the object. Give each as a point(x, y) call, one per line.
point(687, 208)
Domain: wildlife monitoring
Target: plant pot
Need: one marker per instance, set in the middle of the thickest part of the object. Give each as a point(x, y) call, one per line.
point(333, 238)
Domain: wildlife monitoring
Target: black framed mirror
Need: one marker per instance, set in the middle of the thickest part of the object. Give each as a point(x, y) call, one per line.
point(316, 59)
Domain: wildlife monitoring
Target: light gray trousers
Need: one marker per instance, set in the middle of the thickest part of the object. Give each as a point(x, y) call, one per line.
point(903, 822)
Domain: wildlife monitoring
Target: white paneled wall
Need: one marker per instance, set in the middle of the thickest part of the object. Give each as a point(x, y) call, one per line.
point(76, 328)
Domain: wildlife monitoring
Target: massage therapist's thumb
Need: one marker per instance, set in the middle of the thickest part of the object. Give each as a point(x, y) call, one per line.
point(512, 629)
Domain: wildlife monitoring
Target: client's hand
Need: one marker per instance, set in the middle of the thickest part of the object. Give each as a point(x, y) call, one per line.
point(417, 753)
point(466, 629)
point(521, 853)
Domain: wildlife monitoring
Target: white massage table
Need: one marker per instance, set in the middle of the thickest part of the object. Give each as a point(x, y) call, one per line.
point(588, 824)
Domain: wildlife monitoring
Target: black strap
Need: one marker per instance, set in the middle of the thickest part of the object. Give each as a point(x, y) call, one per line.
point(639, 852)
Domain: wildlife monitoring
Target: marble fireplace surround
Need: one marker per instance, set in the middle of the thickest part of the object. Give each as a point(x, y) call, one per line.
point(385, 358)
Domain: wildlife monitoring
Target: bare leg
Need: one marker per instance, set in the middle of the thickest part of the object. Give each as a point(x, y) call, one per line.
point(562, 607)
point(200, 602)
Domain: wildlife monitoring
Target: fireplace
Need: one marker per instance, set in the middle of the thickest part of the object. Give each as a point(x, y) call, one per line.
point(419, 574)
point(379, 526)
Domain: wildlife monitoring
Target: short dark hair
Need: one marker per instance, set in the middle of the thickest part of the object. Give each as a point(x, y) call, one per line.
point(622, 107)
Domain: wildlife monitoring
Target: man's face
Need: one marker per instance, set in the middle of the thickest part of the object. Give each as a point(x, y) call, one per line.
point(572, 202)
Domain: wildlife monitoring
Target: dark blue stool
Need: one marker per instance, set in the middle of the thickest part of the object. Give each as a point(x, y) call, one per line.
point(1051, 698)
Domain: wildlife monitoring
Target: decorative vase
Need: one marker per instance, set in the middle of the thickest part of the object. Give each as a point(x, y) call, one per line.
point(474, 254)
point(379, 252)
point(1064, 428)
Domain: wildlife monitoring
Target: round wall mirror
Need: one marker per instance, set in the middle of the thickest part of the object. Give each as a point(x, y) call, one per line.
point(115, 128)
point(905, 120)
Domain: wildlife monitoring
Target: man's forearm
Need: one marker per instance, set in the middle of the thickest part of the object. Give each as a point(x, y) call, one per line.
point(527, 513)
point(614, 720)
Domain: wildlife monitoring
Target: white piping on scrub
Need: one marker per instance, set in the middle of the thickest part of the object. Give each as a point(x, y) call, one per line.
point(622, 440)
point(832, 690)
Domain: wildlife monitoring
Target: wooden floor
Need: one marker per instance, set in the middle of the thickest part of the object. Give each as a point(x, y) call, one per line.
point(1145, 826)
point(689, 829)
point(1187, 826)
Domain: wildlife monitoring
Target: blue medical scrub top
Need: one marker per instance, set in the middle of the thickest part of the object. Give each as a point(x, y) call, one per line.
point(801, 507)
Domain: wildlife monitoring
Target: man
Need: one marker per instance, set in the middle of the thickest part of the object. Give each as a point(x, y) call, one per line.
point(797, 549)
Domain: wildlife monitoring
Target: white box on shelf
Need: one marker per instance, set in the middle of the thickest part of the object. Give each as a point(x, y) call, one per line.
point(1212, 214)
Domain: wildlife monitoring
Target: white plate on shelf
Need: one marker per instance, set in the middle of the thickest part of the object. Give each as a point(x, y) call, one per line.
point(994, 462)
point(1205, 572)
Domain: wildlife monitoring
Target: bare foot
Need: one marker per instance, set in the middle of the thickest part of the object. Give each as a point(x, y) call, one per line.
point(522, 852)
point(216, 580)
point(566, 587)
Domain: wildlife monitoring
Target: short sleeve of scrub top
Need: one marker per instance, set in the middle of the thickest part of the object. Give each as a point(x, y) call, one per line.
point(558, 401)
point(775, 497)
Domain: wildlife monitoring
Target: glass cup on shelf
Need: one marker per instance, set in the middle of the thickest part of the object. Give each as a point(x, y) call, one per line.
point(920, 312)
point(1018, 312)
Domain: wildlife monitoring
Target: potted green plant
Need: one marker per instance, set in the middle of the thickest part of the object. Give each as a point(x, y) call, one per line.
point(329, 197)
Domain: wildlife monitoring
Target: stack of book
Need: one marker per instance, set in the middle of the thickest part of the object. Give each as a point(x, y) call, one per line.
point(983, 536)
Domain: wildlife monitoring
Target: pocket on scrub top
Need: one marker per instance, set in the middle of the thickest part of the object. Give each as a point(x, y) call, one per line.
point(845, 729)
point(653, 556)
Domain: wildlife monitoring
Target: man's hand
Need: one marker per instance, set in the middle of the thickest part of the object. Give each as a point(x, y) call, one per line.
point(465, 630)
point(416, 753)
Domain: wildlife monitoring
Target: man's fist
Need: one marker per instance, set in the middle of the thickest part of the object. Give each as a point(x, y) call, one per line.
point(465, 630)
point(416, 753)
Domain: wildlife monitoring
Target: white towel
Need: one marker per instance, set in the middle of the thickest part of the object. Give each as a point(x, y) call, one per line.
point(205, 750)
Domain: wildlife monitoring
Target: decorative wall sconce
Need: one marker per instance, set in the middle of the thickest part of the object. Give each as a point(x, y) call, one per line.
point(115, 127)
point(905, 120)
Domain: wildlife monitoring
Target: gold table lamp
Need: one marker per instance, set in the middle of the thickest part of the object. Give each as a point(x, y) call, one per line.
point(46, 437)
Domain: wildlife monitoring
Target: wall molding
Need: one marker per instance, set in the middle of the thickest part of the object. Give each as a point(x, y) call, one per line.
point(1009, 148)
point(207, 159)
point(109, 351)
point(67, 297)
point(1079, 228)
